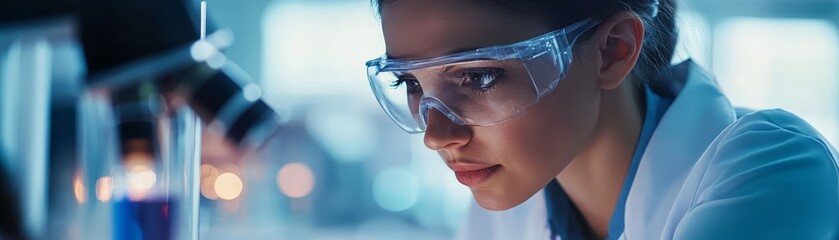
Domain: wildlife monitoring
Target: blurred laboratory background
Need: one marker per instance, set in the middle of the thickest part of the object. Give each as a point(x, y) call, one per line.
point(336, 167)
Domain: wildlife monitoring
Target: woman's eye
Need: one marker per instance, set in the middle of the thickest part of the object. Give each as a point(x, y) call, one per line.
point(412, 85)
point(481, 78)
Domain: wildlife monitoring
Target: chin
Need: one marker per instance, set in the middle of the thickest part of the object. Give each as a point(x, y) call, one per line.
point(496, 201)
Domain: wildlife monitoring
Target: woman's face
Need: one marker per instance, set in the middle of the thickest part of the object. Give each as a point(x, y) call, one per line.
point(503, 164)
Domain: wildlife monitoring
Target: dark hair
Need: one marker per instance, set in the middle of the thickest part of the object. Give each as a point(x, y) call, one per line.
point(658, 16)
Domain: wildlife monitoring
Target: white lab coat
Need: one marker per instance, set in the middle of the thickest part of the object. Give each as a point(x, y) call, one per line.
point(707, 174)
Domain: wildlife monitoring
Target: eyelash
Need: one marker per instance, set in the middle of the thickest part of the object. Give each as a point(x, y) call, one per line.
point(477, 75)
point(480, 74)
point(404, 80)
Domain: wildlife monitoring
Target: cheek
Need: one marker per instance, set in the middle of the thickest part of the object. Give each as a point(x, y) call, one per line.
point(535, 147)
point(557, 128)
point(564, 121)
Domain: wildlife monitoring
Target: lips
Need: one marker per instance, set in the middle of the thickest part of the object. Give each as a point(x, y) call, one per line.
point(472, 174)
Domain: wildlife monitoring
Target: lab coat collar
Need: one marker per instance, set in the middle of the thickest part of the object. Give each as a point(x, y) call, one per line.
point(697, 115)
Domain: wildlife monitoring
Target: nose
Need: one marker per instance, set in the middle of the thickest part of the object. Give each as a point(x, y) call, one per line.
point(442, 133)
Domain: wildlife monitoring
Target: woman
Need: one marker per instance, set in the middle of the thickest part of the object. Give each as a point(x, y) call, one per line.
point(566, 119)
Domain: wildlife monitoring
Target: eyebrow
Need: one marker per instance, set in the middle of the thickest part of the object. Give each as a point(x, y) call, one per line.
point(450, 52)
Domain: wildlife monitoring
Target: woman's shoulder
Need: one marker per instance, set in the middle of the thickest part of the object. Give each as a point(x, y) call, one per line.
point(760, 139)
point(775, 119)
point(770, 143)
point(768, 174)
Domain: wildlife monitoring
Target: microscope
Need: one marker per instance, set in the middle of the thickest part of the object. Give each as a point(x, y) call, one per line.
point(109, 98)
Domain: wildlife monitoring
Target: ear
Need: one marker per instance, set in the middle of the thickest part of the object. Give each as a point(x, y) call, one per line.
point(619, 41)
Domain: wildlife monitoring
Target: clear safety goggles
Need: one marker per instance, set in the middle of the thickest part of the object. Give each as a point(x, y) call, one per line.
point(481, 87)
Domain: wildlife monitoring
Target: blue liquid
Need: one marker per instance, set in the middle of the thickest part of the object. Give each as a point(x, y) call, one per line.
point(144, 220)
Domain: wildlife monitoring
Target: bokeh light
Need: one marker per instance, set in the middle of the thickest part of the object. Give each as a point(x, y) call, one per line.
point(79, 189)
point(396, 189)
point(104, 189)
point(228, 186)
point(208, 188)
point(140, 179)
point(209, 174)
point(296, 180)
